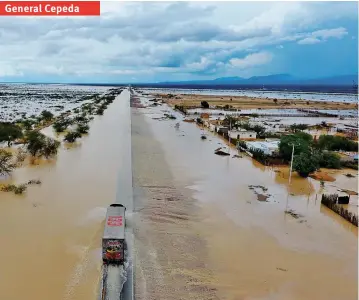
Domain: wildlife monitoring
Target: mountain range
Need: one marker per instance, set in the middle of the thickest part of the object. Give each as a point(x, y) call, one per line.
point(276, 79)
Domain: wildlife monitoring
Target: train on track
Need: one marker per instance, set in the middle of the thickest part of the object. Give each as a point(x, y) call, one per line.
point(113, 240)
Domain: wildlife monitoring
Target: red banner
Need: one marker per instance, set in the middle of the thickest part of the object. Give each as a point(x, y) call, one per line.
point(50, 8)
point(114, 221)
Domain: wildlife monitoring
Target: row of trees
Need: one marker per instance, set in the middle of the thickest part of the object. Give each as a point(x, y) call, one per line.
point(37, 144)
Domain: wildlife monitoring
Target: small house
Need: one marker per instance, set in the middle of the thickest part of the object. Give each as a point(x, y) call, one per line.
point(222, 129)
point(268, 147)
point(242, 134)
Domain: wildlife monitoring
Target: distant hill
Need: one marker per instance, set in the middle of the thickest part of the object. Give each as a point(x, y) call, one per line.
point(276, 79)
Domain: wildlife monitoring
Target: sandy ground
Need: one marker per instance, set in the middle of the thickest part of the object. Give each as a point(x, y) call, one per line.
point(198, 218)
point(242, 102)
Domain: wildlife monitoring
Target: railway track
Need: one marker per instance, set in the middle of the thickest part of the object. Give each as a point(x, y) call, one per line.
point(113, 280)
point(117, 281)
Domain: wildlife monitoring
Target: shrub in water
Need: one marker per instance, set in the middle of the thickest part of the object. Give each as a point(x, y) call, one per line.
point(72, 136)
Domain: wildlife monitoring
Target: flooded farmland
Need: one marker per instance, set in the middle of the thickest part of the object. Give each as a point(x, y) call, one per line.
point(205, 227)
point(286, 247)
point(52, 234)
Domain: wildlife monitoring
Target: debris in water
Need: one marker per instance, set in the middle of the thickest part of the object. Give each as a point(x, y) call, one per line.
point(262, 197)
point(293, 214)
point(281, 269)
point(260, 190)
point(218, 151)
point(349, 175)
point(33, 181)
point(252, 187)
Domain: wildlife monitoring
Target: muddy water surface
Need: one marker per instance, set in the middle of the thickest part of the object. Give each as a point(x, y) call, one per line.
point(51, 235)
point(254, 249)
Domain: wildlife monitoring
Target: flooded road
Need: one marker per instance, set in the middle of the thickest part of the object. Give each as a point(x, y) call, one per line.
point(251, 249)
point(51, 236)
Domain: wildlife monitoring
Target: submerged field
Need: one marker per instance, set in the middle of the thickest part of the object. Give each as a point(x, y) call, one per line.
point(53, 230)
point(254, 235)
point(19, 101)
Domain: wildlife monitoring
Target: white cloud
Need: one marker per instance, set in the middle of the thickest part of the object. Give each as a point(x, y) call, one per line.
point(251, 60)
point(309, 41)
point(330, 33)
point(322, 35)
point(146, 38)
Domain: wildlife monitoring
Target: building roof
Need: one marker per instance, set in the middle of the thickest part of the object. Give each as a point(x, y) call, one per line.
point(242, 130)
point(264, 144)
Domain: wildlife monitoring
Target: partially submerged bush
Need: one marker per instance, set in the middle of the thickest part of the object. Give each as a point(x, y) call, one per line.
point(20, 189)
point(50, 148)
point(72, 136)
point(99, 111)
point(17, 189)
point(34, 181)
point(21, 155)
point(82, 128)
point(9, 132)
point(35, 142)
point(61, 124)
point(40, 145)
point(6, 162)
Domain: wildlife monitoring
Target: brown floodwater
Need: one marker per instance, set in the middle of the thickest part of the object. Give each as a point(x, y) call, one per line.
point(51, 236)
point(254, 249)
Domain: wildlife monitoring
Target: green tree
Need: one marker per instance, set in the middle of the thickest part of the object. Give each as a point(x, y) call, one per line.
point(329, 160)
point(204, 104)
point(298, 127)
point(6, 162)
point(229, 120)
point(39, 145)
point(301, 142)
point(9, 132)
point(335, 143)
point(27, 124)
point(47, 115)
point(260, 130)
point(35, 142)
point(50, 148)
point(305, 163)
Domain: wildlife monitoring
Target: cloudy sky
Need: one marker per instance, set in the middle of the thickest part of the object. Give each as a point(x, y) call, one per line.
point(167, 41)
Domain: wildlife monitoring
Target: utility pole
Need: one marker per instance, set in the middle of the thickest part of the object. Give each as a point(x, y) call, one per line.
point(290, 177)
point(291, 166)
point(229, 136)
